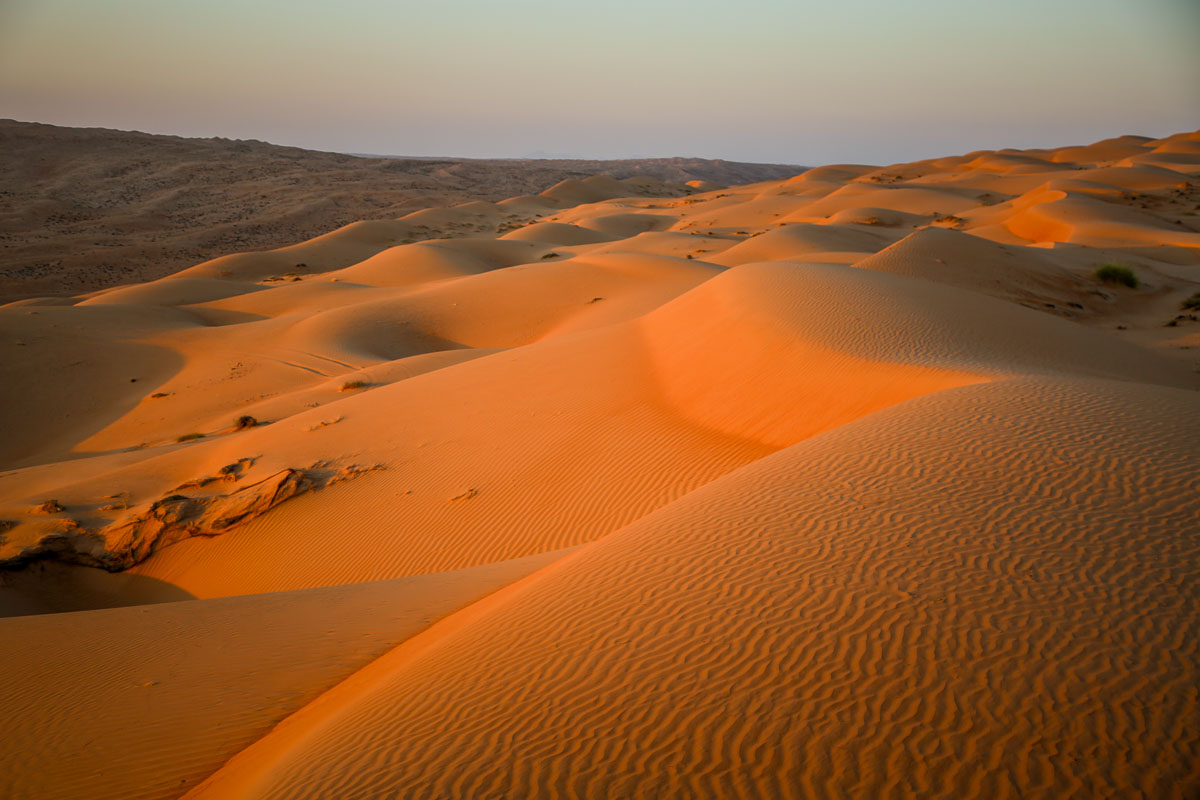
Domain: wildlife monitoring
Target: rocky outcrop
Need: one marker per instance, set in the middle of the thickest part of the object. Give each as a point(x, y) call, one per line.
point(147, 527)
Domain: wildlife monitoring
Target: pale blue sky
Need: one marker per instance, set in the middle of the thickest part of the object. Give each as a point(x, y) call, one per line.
point(757, 80)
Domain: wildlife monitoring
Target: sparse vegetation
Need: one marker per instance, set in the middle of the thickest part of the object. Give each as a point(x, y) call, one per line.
point(350, 386)
point(245, 421)
point(1192, 303)
point(511, 223)
point(187, 437)
point(1118, 273)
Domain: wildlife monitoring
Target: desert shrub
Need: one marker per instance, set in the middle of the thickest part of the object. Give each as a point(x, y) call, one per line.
point(1192, 303)
point(187, 437)
point(350, 386)
point(1115, 272)
point(948, 219)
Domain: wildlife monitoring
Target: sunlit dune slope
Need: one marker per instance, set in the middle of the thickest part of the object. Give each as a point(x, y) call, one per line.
point(874, 481)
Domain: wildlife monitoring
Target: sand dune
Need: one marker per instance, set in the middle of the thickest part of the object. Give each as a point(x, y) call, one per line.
point(861, 483)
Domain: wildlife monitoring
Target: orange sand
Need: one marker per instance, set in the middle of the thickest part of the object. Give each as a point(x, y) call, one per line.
point(857, 484)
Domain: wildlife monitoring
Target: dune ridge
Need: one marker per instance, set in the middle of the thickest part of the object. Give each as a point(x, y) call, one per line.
point(862, 483)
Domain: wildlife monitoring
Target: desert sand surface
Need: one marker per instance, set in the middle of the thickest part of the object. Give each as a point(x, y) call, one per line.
point(88, 208)
point(867, 482)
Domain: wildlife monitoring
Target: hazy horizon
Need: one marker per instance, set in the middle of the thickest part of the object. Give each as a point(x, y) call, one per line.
point(795, 83)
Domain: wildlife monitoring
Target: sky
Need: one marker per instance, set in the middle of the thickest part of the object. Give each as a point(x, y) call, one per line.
point(788, 81)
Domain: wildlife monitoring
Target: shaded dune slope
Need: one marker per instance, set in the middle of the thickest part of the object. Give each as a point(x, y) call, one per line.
point(206, 679)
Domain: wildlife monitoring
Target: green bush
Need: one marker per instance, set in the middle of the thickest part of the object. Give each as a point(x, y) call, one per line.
point(1114, 272)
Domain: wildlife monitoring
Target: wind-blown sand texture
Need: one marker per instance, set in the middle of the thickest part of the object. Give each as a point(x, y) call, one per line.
point(857, 484)
point(88, 208)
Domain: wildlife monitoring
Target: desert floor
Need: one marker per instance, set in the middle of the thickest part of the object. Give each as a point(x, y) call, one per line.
point(862, 483)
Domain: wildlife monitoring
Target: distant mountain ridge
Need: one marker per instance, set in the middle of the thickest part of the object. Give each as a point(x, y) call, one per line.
point(87, 208)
